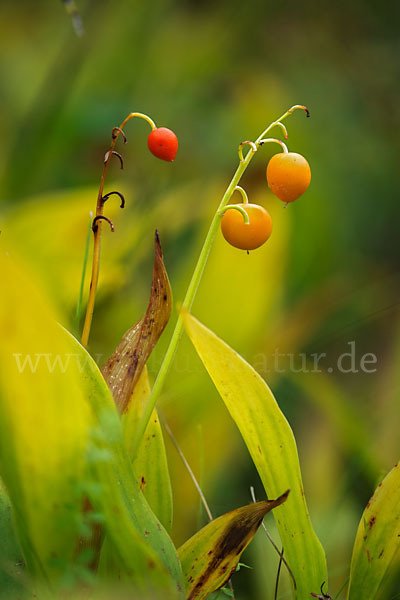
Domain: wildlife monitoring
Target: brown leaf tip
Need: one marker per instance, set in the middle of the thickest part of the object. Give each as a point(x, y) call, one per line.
point(157, 244)
point(283, 497)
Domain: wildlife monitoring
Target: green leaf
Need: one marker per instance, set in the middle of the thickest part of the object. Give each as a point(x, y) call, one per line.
point(45, 424)
point(150, 463)
point(141, 547)
point(272, 446)
point(211, 556)
point(62, 440)
point(377, 539)
point(12, 573)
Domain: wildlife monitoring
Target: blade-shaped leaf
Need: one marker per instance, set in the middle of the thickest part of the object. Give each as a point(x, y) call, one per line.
point(143, 549)
point(60, 438)
point(377, 539)
point(122, 370)
point(150, 463)
point(44, 427)
point(272, 446)
point(211, 556)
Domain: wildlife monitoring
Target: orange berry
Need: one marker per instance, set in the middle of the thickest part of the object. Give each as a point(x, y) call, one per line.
point(250, 236)
point(288, 175)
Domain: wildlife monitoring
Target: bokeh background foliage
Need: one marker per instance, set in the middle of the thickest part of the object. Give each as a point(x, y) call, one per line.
point(217, 73)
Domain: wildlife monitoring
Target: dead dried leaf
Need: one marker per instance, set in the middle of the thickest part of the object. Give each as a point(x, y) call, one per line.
point(122, 370)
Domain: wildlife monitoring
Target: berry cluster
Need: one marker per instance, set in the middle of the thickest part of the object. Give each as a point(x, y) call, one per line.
point(288, 177)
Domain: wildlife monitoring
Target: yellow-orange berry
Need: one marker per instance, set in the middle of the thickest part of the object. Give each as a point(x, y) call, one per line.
point(250, 236)
point(288, 175)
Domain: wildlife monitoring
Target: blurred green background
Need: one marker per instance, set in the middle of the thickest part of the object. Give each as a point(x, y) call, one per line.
point(217, 73)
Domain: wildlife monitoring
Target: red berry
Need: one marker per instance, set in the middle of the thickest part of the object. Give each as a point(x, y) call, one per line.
point(163, 143)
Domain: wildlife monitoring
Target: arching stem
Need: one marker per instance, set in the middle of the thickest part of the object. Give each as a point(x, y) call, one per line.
point(239, 209)
point(268, 140)
point(252, 145)
point(195, 281)
point(243, 194)
point(116, 132)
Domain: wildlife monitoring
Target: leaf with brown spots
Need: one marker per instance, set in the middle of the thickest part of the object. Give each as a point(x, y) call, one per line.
point(150, 461)
point(377, 544)
point(271, 443)
point(211, 556)
point(122, 370)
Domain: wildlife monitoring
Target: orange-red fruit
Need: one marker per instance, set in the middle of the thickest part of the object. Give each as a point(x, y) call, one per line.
point(163, 143)
point(288, 175)
point(250, 236)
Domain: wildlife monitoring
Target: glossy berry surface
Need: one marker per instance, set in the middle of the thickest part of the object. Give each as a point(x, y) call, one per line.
point(288, 175)
point(250, 236)
point(163, 143)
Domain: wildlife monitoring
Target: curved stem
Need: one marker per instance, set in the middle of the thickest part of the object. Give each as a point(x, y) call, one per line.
point(101, 218)
point(237, 207)
point(243, 193)
point(268, 140)
point(121, 197)
point(277, 123)
point(285, 133)
point(116, 132)
point(195, 281)
point(246, 143)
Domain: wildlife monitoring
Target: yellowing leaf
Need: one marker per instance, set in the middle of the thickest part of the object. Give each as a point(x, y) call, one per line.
point(44, 427)
point(377, 539)
point(140, 547)
point(125, 371)
point(60, 439)
point(211, 556)
point(150, 463)
point(272, 446)
point(123, 368)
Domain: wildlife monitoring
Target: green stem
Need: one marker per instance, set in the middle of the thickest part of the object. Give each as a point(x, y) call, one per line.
point(341, 589)
point(237, 207)
point(187, 303)
point(194, 284)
